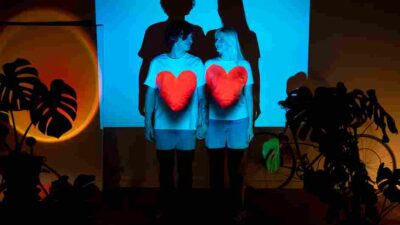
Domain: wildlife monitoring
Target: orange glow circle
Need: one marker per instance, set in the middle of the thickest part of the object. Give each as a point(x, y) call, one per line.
point(63, 52)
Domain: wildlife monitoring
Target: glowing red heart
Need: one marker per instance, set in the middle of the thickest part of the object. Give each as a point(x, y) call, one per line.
point(226, 87)
point(176, 91)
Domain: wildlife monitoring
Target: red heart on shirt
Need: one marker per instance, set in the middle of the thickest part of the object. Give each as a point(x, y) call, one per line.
point(176, 91)
point(226, 87)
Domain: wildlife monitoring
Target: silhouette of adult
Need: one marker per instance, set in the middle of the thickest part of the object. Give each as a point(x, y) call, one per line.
point(154, 44)
point(232, 15)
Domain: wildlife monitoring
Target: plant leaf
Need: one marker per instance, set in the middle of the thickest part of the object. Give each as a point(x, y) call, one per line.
point(17, 84)
point(54, 113)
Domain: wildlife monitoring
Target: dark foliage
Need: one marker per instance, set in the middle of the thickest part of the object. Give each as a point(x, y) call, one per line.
point(330, 117)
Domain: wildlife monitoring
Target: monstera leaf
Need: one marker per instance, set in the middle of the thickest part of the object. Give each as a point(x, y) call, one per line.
point(388, 182)
point(331, 108)
point(17, 84)
point(358, 107)
point(380, 115)
point(54, 110)
point(330, 116)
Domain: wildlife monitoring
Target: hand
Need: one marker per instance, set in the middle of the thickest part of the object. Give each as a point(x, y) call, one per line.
point(250, 133)
point(201, 131)
point(149, 132)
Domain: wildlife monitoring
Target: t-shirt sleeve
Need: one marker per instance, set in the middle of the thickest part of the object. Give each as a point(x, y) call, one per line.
point(151, 75)
point(250, 79)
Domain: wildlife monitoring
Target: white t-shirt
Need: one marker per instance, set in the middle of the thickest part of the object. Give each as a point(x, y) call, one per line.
point(239, 109)
point(165, 118)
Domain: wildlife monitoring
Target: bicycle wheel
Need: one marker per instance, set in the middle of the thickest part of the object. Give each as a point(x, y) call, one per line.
point(310, 157)
point(372, 153)
point(256, 174)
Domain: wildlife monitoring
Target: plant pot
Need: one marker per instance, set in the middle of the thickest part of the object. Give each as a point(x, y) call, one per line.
point(21, 174)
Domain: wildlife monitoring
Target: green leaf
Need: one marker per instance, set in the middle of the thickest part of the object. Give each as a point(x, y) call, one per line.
point(271, 154)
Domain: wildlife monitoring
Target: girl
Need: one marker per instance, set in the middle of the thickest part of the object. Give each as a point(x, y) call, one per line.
point(229, 83)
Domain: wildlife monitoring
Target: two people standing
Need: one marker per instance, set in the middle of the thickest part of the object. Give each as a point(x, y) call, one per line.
point(190, 100)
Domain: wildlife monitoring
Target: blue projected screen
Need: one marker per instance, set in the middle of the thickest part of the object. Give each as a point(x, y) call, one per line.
point(281, 29)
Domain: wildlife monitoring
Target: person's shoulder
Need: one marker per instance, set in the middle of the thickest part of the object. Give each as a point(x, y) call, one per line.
point(157, 27)
point(253, 34)
point(212, 61)
point(244, 63)
point(160, 57)
point(196, 27)
point(193, 57)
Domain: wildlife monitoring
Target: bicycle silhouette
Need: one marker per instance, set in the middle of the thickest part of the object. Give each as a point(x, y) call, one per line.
point(297, 157)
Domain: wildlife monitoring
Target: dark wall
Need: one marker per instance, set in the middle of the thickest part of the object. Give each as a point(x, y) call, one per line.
point(354, 41)
point(82, 153)
point(83, 9)
point(358, 42)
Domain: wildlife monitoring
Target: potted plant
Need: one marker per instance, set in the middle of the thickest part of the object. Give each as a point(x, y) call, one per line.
point(330, 117)
point(51, 111)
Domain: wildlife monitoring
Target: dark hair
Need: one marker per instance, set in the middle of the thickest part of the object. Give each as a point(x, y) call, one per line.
point(177, 7)
point(175, 30)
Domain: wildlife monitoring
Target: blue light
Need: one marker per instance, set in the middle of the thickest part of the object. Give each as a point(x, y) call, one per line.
point(281, 26)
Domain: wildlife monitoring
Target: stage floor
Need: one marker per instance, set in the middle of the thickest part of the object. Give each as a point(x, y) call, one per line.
point(131, 206)
point(272, 207)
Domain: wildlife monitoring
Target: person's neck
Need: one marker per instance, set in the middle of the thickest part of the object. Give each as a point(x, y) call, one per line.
point(176, 53)
point(226, 57)
point(172, 18)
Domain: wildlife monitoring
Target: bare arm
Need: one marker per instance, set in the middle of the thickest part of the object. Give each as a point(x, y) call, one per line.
point(149, 108)
point(202, 105)
point(202, 119)
point(248, 94)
